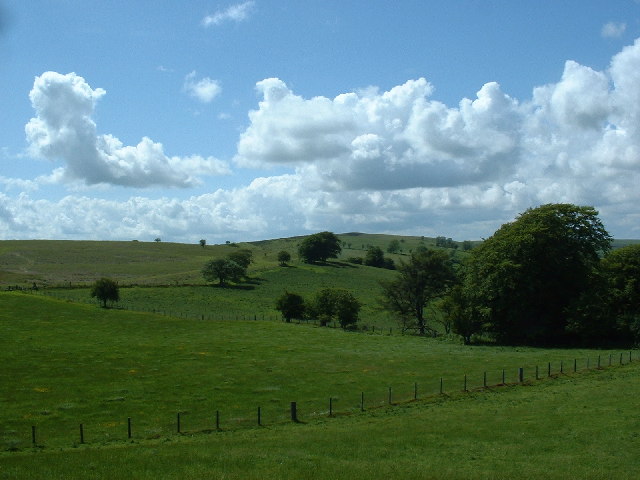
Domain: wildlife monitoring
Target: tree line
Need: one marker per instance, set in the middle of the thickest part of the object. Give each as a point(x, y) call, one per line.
point(547, 278)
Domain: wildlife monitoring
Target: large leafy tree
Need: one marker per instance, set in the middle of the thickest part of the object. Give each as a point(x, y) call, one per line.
point(425, 278)
point(319, 247)
point(609, 312)
point(223, 270)
point(525, 277)
point(105, 290)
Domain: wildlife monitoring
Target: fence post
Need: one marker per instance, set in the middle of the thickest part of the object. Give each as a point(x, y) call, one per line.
point(33, 434)
point(521, 374)
point(441, 386)
point(620, 358)
point(415, 390)
point(549, 369)
point(575, 365)
point(217, 419)
point(259, 417)
point(465, 383)
point(503, 382)
point(561, 366)
point(629, 356)
point(537, 373)
point(484, 380)
point(294, 412)
point(389, 395)
point(178, 421)
point(129, 427)
point(598, 361)
point(610, 355)
point(362, 401)
point(81, 434)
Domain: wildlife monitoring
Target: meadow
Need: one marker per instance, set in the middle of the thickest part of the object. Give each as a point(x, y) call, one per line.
point(67, 363)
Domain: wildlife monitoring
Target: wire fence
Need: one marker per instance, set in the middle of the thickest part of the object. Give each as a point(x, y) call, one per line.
point(203, 421)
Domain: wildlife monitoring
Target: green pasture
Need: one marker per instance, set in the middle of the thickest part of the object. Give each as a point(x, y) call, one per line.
point(65, 364)
point(583, 426)
point(256, 297)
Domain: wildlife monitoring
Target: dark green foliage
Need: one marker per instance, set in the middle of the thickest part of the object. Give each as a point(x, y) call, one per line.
point(319, 247)
point(374, 257)
point(355, 260)
point(530, 271)
point(242, 257)
point(426, 277)
point(609, 312)
point(291, 305)
point(460, 314)
point(105, 290)
point(394, 246)
point(284, 257)
point(336, 304)
point(389, 264)
point(203, 242)
point(445, 242)
point(222, 269)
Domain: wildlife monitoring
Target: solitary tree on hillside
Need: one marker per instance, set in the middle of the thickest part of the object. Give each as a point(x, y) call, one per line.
point(222, 269)
point(319, 247)
point(105, 290)
point(284, 257)
point(203, 242)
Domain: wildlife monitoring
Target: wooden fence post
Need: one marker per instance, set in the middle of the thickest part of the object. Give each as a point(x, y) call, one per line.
point(521, 374)
point(441, 386)
point(217, 419)
point(259, 417)
point(389, 395)
point(128, 427)
point(33, 434)
point(81, 434)
point(484, 380)
point(178, 421)
point(362, 401)
point(575, 365)
point(465, 383)
point(294, 412)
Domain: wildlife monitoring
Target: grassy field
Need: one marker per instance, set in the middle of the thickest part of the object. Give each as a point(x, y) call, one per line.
point(66, 363)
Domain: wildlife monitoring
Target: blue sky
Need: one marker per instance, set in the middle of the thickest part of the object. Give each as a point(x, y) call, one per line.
point(247, 120)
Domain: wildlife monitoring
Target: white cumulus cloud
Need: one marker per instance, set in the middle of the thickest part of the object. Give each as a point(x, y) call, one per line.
point(63, 129)
point(205, 89)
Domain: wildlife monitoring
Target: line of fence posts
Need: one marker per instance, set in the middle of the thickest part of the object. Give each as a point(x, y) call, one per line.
point(294, 406)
